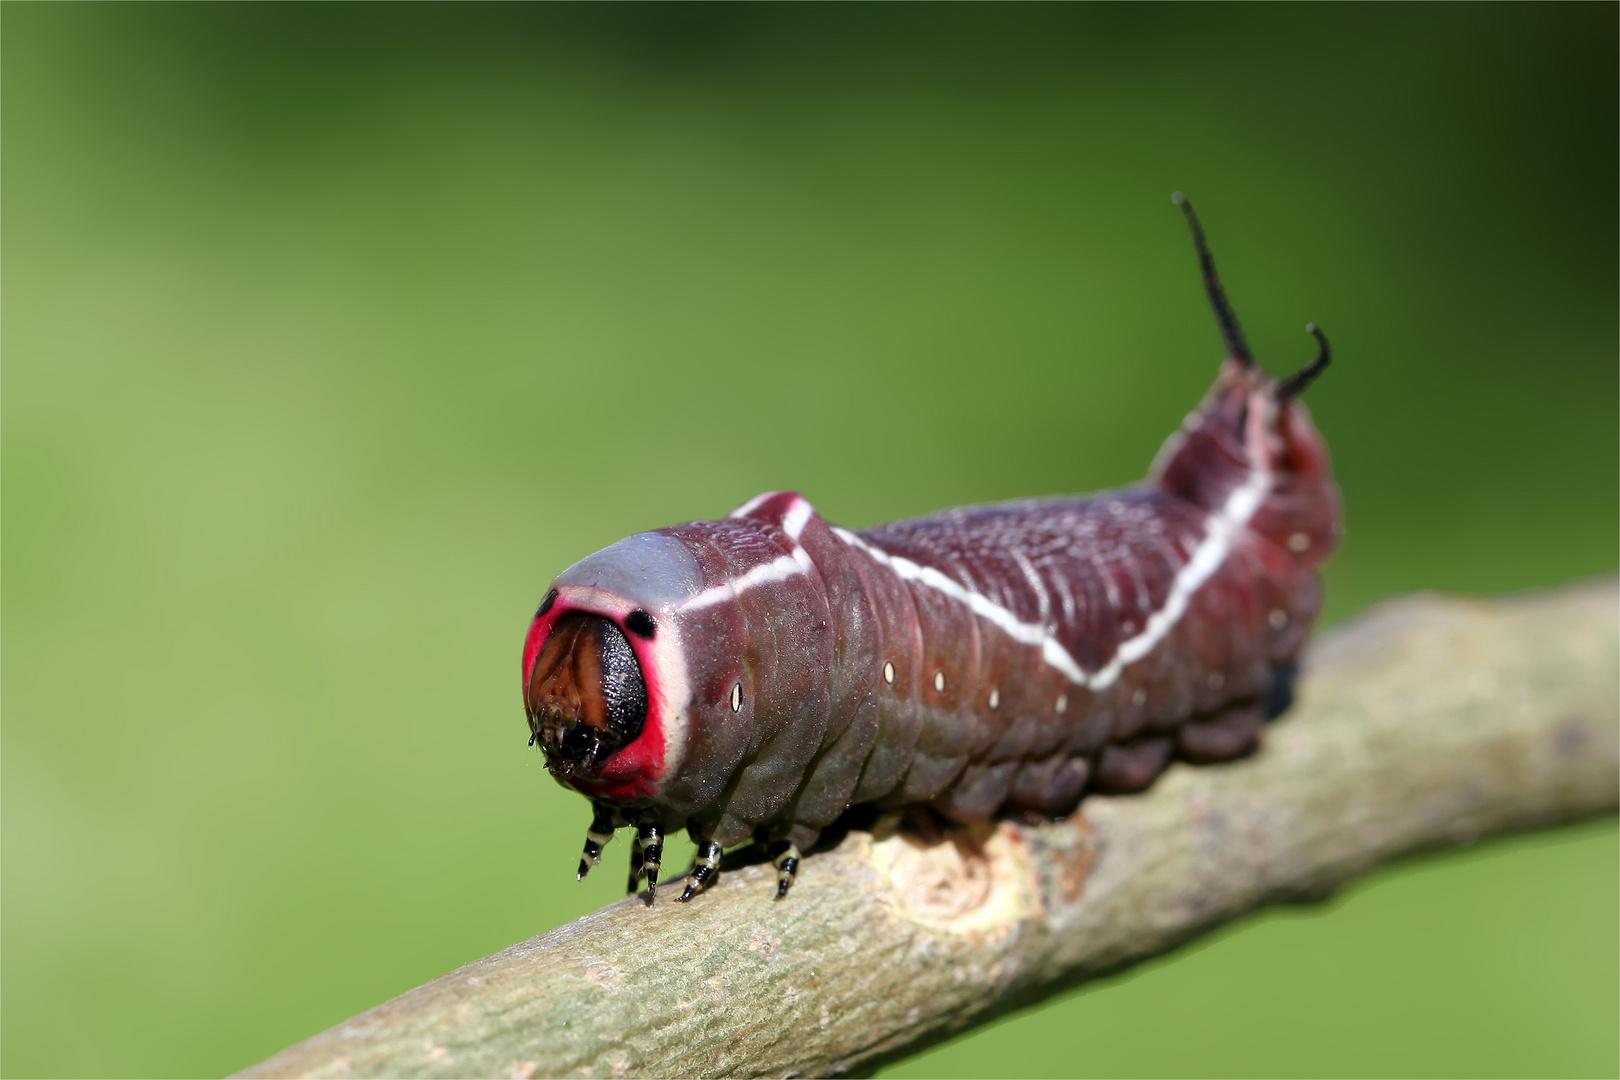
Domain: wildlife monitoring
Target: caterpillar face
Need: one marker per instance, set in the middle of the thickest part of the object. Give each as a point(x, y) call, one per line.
point(658, 667)
point(604, 674)
point(586, 699)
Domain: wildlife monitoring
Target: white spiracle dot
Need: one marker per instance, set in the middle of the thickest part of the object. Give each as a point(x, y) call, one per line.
point(1063, 703)
point(939, 681)
point(1278, 618)
point(1139, 697)
point(888, 672)
point(995, 698)
point(1216, 679)
point(736, 698)
point(1298, 542)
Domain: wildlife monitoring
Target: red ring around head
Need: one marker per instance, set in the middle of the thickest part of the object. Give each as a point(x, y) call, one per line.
point(635, 771)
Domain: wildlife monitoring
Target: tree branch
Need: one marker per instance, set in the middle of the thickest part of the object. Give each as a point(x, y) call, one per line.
point(1427, 722)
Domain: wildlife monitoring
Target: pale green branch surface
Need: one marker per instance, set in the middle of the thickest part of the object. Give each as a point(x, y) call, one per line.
point(1429, 721)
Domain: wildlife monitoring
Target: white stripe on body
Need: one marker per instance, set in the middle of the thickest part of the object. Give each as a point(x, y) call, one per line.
point(1221, 528)
point(780, 568)
point(987, 609)
point(752, 504)
point(796, 518)
point(1207, 558)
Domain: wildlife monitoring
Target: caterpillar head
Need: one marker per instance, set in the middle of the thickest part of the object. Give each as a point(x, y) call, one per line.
point(655, 667)
point(586, 698)
point(604, 680)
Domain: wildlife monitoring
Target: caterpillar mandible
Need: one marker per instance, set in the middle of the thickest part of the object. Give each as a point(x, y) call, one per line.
point(759, 676)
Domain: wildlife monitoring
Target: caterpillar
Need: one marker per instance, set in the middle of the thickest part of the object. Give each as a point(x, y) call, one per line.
point(761, 675)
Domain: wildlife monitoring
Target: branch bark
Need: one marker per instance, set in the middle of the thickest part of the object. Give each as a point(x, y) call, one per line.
point(1427, 722)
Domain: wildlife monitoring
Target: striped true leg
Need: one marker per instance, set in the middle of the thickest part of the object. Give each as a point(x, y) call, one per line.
point(704, 870)
point(650, 852)
point(604, 821)
point(785, 855)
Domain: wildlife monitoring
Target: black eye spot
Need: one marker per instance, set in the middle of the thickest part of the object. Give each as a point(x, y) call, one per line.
point(545, 605)
point(641, 624)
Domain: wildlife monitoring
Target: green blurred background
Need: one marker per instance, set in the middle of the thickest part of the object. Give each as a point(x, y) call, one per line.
point(331, 333)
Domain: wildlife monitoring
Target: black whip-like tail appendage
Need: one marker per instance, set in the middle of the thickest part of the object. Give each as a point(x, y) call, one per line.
point(1296, 383)
point(1237, 346)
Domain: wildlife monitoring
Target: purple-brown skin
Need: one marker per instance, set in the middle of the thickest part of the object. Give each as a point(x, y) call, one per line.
point(980, 660)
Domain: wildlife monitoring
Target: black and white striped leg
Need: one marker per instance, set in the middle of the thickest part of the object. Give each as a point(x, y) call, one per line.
point(704, 870)
point(651, 838)
point(785, 854)
point(597, 837)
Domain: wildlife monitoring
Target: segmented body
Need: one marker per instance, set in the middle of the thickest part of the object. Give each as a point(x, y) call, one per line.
point(981, 659)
